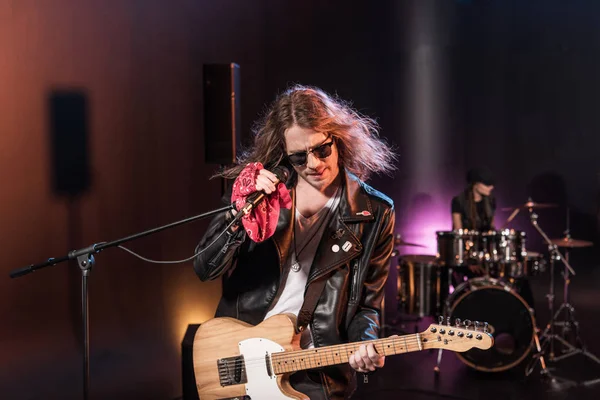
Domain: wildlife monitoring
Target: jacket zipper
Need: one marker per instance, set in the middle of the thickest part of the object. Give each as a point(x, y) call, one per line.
point(354, 288)
point(216, 259)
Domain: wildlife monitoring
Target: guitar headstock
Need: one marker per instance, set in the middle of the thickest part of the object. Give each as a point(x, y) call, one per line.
point(457, 336)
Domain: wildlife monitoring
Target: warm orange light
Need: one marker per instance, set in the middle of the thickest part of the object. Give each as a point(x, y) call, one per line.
point(192, 302)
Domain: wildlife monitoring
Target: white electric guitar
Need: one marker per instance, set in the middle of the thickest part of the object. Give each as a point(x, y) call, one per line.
point(234, 359)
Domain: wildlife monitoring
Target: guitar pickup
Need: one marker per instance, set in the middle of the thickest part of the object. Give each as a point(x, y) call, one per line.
point(232, 371)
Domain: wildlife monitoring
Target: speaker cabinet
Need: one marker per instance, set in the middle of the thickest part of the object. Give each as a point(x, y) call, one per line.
point(222, 116)
point(68, 123)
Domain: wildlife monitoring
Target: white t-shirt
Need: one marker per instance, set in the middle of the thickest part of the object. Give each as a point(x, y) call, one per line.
point(308, 233)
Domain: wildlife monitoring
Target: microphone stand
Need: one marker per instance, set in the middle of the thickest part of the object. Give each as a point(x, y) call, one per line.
point(85, 261)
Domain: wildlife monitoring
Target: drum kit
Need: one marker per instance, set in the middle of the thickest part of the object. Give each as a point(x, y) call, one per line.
point(445, 286)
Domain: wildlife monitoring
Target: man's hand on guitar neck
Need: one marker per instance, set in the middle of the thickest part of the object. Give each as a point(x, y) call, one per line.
point(366, 359)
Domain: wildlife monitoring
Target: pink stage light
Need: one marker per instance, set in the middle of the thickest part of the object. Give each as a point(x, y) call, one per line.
point(421, 225)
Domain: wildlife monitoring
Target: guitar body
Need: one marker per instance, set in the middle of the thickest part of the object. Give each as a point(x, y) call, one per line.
point(230, 358)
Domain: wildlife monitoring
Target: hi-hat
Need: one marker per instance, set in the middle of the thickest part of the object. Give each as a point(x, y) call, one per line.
point(530, 204)
point(568, 242)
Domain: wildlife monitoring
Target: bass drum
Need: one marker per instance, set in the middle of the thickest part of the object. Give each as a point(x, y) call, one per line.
point(510, 320)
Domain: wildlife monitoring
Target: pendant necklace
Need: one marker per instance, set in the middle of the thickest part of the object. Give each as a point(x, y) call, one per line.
point(296, 264)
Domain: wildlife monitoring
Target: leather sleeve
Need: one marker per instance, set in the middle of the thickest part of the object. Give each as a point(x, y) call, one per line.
point(365, 324)
point(217, 258)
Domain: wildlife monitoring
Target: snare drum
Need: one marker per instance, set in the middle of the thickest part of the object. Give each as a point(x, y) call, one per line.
point(422, 286)
point(533, 264)
point(456, 248)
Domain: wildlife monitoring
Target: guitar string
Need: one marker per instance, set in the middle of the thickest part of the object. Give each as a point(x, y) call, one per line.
point(332, 354)
point(324, 351)
point(301, 364)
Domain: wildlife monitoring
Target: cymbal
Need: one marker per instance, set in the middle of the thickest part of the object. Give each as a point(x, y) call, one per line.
point(401, 242)
point(568, 242)
point(530, 204)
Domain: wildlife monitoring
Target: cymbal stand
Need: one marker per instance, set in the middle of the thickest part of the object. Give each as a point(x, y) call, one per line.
point(569, 321)
point(548, 336)
point(539, 348)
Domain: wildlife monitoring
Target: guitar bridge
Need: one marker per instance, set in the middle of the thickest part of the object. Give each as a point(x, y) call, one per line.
point(232, 371)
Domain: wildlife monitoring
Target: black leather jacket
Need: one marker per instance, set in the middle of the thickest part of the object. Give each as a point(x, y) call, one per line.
point(350, 304)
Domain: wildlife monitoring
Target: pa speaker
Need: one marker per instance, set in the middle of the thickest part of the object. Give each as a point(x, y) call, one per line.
point(68, 123)
point(222, 116)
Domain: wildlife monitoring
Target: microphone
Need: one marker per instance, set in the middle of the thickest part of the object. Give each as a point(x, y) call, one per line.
point(282, 173)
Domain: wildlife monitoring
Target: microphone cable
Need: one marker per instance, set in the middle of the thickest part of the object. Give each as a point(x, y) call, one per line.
point(179, 261)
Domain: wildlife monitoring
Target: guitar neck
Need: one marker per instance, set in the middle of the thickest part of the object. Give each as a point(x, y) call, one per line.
point(292, 361)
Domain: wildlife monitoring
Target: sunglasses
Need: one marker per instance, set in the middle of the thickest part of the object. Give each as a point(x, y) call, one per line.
point(299, 159)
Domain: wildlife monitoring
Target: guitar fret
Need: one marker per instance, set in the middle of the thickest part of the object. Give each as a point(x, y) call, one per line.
point(382, 351)
point(339, 354)
point(319, 360)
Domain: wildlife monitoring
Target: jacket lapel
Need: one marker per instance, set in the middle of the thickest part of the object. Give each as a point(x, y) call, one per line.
point(340, 242)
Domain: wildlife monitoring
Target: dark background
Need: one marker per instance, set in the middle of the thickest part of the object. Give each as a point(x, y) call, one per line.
point(512, 84)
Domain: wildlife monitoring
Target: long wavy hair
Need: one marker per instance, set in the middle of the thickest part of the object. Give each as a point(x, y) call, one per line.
point(361, 150)
point(474, 219)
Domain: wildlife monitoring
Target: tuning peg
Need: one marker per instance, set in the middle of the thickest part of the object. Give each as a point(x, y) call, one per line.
point(477, 325)
point(457, 322)
point(448, 321)
point(485, 327)
point(467, 323)
point(441, 320)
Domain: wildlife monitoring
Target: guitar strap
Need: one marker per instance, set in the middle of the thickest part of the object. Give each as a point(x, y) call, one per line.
point(313, 293)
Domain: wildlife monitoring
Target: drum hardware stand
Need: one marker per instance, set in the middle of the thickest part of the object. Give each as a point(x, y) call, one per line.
point(445, 316)
point(441, 320)
point(445, 312)
point(548, 335)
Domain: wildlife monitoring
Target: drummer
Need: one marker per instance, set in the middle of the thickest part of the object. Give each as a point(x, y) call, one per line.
point(474, 208)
